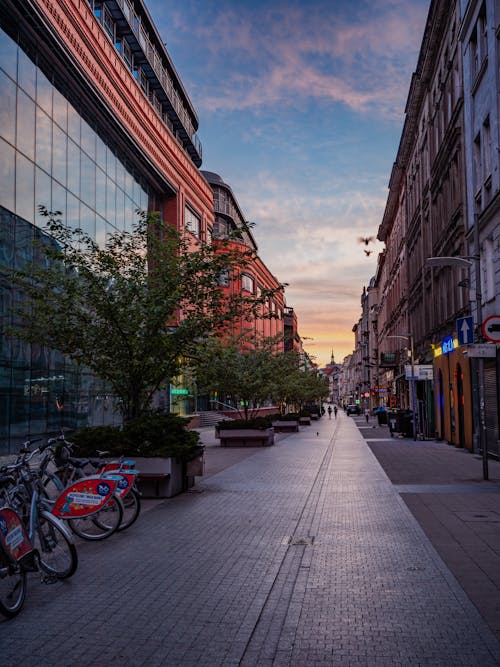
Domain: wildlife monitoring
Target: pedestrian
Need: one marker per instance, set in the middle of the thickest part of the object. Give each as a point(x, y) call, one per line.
point(367, 414)
point(329, 412)
point(335, 410)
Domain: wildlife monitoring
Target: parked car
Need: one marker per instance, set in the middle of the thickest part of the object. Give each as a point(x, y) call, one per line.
point(353, 410)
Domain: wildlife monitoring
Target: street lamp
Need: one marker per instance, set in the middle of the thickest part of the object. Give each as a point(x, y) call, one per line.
point(466, 263)
point(412, 382)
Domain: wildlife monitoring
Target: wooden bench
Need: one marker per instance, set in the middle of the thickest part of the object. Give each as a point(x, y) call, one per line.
point(286, 426)
point(246, 437)
point(153, 477)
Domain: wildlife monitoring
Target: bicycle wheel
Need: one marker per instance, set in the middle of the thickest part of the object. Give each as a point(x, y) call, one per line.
point(57, 552)
point(102, 524)
point(12, 587)
point(131, 509)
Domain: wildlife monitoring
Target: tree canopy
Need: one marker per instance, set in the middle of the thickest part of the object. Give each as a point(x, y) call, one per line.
point(131, 310)
point(250, 376)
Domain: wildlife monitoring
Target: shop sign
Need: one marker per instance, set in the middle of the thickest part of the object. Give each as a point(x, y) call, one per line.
point(422, 372)
point(484, 350)
point(447, 345)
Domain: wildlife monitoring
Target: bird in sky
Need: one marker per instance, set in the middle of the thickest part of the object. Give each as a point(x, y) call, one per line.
point(366, 239)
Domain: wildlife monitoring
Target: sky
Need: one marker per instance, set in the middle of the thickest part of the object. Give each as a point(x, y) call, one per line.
point(301, 107)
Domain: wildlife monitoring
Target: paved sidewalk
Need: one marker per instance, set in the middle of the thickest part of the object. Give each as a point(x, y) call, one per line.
point(443, 487)
point(300, 554)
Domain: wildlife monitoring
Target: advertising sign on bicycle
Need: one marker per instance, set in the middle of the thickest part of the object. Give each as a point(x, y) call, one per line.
point(13, 536)
point(84, 497)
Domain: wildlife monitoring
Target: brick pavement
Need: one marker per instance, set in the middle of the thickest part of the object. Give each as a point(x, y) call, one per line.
point(299, 554)
point(443, 487)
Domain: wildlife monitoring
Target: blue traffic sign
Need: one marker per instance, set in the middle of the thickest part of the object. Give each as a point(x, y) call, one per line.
point(465, 330)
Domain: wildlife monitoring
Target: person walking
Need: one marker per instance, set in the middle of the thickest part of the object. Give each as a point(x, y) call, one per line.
point(367, 414)
point(335, 410)
point(329, 412)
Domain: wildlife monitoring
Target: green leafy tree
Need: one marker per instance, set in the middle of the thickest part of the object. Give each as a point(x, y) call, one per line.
point(239, 372)
point(131, 310)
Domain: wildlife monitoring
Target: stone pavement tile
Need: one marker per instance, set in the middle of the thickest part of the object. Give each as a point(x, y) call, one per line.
point(300, 554)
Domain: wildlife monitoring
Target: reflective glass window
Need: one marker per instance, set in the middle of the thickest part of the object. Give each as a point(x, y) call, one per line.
point(100, 231)
point(59, 155)
point(59, 199)
point(44, 92)
point(43, 140)
point(110, 201)
point(100, 157)
point(88, 140)
point(25, 188)
point(26, 74)
point(87, 220)
point(60, 110)
point(43, 193)
point(73, 168)
point(87, 185)
point(7, 243)
point(23, 254)
point(8, 55)
point(74, 124)
point(72, 218)
point(25, 139)
point(7, 175)
point(110, 163)
point(100, 193)
point(7, 108)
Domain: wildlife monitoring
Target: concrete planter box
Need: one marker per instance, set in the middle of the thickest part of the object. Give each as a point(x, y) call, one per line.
point(305, 421)
point(160, 477)
point(286, 426)
point(246, 437)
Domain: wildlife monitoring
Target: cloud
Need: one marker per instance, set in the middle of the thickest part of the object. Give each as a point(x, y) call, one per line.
point(276, 55)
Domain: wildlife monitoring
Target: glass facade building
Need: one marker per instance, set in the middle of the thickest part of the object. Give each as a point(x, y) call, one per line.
point(50, 156)
point(66, 147)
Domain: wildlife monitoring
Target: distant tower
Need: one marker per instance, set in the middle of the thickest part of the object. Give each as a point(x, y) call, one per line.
point(332, 359)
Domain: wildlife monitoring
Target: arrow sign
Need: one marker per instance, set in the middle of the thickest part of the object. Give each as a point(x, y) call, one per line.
point(465, 330)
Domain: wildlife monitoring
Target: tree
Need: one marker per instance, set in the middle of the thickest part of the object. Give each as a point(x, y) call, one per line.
point(239, 373)
point(131, 310)
point(249, 373)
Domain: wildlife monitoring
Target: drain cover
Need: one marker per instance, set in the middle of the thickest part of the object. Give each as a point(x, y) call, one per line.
point(294, 541)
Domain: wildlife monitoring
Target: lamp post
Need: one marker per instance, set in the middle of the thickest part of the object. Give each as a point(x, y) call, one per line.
point(466, 263)
point(409, 337)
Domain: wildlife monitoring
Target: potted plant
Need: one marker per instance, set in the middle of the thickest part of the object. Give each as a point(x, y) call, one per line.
point(159, 443)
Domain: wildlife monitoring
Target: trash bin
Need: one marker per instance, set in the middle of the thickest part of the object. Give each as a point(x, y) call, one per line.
point(406, 418)
point(394, 421)
point(381, 416)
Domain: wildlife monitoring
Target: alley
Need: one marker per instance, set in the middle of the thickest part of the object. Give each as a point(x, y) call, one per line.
point(299, 554)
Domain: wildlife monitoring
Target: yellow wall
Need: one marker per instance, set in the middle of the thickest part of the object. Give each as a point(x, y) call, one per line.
point(450, 371)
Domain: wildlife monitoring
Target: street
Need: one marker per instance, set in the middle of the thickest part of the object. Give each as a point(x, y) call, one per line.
point(302, 554)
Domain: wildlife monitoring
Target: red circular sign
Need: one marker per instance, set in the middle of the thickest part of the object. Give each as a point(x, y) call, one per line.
point(491, 328)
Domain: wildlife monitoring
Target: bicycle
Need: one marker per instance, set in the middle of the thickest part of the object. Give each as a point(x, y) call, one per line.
point(47, 534)
point(68, 469)
point(16, 558)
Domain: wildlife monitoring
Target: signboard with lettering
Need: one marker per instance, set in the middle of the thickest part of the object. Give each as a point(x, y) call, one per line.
point(447, 345)
point(422, 372)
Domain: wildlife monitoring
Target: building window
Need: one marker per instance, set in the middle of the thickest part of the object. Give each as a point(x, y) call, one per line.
point(224, 279)
point(127, 53)
point(488, 270)
point(477, 170)
point(486, 149)
point(247, 283)
point(192, 222)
